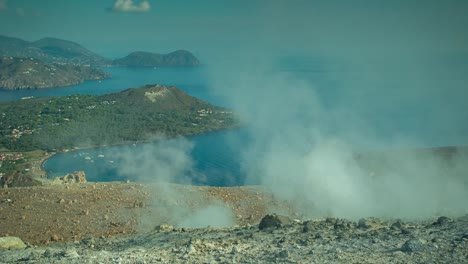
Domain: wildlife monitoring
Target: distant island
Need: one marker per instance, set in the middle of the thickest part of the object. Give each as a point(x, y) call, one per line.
point(30, 73)
point(180, 58)
point(51, 50)
point(51, 62)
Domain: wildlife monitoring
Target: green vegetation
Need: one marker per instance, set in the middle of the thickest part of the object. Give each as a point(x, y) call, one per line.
point(179, 58)
point(60, 123)
point(19, 169)
point(30, 73)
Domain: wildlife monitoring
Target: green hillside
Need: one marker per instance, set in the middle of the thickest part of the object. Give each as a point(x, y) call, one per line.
point(138, 114)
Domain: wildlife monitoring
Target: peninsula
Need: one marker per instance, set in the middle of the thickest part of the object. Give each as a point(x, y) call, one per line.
point(51, 50)
point(30, 73)
point(80, 121)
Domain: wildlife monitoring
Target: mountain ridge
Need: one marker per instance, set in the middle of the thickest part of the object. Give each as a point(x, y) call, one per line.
point(30, 73)
point(50, 50)
point(178, 58)
point(54, 50)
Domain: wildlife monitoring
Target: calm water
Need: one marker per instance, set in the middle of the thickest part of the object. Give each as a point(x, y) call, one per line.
point(433, 116)
point(191, 80)
point(215, 162)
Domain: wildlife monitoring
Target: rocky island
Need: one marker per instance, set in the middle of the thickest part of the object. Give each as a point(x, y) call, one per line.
point(30, 73)
point(180, 58)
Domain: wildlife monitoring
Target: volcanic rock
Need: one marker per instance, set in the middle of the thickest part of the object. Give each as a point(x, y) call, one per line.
point(10, 242)
point(75, 177)
point(412, 245)
point(273, 221)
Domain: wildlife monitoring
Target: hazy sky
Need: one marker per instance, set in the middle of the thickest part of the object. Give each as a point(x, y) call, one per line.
point(218, 27)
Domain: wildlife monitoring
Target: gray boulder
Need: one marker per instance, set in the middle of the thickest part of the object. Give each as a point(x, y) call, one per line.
point(273, 221)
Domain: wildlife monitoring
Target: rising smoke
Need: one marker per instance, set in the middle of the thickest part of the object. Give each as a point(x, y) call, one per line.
point(384, 85)
point(305, 144)
point(160, 165)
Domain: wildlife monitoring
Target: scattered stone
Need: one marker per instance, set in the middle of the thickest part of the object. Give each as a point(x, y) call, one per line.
point(442, 220)
point(11, 242)
point(331, 220)
point(334, 250)
point(398, 224)
point(273, 221)
point(70, 253)
point(465, 236)
point(88, 241)
point(163, 228)
point(283, 254)
point(412, 245)
point(363, 223)
point(191, 249)
point(54, 238)
point(405, 231)
point(308, 226)
point(235, 250)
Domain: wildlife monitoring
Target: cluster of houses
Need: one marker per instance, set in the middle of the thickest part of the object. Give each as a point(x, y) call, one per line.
point(108, 103)
point(208, 111)
point(204, 112)
point(16, 133)
point(10, 156)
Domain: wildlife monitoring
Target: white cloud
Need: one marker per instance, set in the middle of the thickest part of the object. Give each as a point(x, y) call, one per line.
point(3, 5)
point(130, 6)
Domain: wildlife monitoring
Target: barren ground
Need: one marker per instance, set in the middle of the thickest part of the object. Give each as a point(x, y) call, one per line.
point(66, 213)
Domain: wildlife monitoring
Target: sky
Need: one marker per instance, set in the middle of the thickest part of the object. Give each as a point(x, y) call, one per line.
point(216, 28)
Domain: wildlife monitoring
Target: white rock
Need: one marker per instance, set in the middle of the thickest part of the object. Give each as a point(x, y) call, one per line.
point(11, 242)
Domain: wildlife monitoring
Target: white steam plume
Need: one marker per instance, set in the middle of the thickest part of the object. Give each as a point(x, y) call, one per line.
point(160, 165)
point(304, 146)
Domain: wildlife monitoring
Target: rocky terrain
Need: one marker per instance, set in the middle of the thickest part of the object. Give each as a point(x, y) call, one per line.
point(30, 73)
point(50, 50)
point(180, 58)
point(134, 223)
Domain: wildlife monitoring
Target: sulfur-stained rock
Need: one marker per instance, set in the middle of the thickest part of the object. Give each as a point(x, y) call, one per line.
point(11, 242)
point(75, 177)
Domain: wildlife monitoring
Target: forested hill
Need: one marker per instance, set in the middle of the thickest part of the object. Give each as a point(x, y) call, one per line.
point(179, 58)
point(58, 123)
point(50, 50)
point(30, 73)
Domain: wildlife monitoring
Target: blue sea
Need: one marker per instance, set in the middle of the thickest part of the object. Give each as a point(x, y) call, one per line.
point(426, 116)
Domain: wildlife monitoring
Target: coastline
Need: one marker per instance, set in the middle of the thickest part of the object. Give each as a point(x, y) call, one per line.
point(51, 154)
